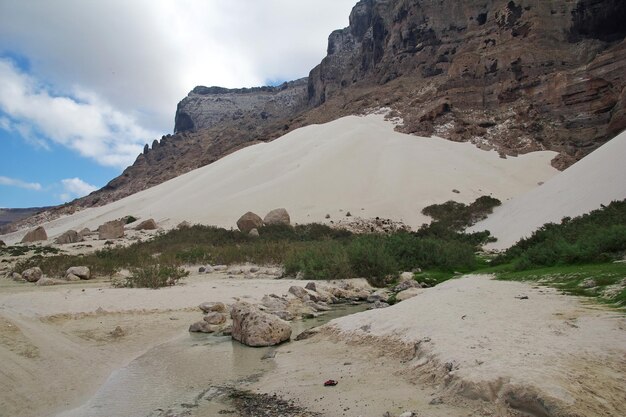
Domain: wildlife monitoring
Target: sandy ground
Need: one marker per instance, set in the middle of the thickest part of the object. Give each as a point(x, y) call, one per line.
point(465, 342)
point(356, 164)
point(597, 179)
point(465, 348)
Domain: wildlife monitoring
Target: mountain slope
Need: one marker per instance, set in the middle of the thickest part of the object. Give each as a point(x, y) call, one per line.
point(356, 164)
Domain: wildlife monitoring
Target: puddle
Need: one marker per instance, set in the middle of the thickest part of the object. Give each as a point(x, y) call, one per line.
point(186, 376)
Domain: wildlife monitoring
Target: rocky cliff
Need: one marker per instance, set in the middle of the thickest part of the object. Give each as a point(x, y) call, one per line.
point(516, 75)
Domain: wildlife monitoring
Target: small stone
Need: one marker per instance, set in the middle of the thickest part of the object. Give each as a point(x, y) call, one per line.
point(203, 327)
point(72, 277)
point(219, 268)
point(253, 233)
point(589, 283)
point(118, 332)
point(311, 286)
point(45, 281)
point(16, 277)
point(209, 307)
point(378, 304)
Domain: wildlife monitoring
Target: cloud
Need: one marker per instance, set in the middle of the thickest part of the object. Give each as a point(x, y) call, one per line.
point(143, 56)
point(77, 187)
point(13, 182)
point(82, 122)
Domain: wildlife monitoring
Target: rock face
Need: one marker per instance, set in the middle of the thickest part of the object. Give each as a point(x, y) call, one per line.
point(519, 75)
point(35, 235)
point(254, 327)
point(277, 216)
point(249, 221)
point(71, 236)
point(111, 230)
point(206, 107)
point(149, 224)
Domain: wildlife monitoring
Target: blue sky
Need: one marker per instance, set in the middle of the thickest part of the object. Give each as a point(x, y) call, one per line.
point(84, 85)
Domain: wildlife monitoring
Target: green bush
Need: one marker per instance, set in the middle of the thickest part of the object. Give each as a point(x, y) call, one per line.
point(155, 276)
point(370, 259)
point(321, 260)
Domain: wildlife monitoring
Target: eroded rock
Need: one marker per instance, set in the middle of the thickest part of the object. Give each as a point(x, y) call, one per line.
point(253, 327)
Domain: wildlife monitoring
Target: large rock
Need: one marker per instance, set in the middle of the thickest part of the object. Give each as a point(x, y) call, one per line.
point(81, 272)
point(45, 281)
point(277, 216)
point(71, 236)
point(35, 235)
point(149, 224)
point(111, 230)
point(32, 274)
point(254, 327)
point(249, 221)
point(215, 318)
point(84, 232)
point(409, 293)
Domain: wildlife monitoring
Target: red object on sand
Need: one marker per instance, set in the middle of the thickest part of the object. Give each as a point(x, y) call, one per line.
point(330, 383)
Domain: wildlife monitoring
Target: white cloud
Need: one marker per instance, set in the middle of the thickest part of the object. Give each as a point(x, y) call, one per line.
point(143, 56)
point(86, 124)
point(76, 187)
point(13, 182)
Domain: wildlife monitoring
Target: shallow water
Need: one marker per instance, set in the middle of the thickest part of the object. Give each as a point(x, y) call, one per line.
point(183, 376)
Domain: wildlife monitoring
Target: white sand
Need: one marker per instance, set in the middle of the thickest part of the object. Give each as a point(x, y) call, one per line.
point(356, 164)
point(597, 179)
point(549, 351)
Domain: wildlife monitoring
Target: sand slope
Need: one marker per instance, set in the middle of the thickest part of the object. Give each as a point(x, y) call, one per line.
point(356, 164)
point(597, 179)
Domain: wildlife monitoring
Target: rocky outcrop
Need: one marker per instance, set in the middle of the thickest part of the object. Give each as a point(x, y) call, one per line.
point(254, 327)
point(518, 75)
point(35, 235)
point(206, 107)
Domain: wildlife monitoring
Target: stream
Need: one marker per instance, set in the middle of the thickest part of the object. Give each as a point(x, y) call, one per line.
point(188, 376)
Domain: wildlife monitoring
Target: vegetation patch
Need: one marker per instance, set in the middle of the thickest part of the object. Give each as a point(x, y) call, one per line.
point(155, 276)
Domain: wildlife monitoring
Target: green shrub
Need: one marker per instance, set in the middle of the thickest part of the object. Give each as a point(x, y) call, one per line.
point(155, 276)
point(370, 259)
point(321, 260)
point(130, 219)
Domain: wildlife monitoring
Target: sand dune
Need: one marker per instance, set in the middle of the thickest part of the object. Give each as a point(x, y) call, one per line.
point(356, 164)
point(597, 179)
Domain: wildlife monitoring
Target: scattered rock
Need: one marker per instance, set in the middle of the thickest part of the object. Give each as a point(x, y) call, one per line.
point(71, 277)
point(2, 244)
point(405, 285)
point(588, 283)
point(253, 233)
point(16, 277)
point(202, 269)
point(406, 276)
point(111, 230)
point(277, 216)
point(249, 221)
point(408, 293)
point(307, 334)
point(253, 327)
point(118, 332)
point(183, 225)
point(149, 224)
point(378, 304)
point(32, 274)
point(214, 317)
point(299, 292)
point(408, 414)
point(254, 269)
point(274, 302)
point(270, 354)
point(85, 232)
point(35, 235)
point(218, 268)
point(311, 286)
point(203, 327)
point(81, 272)
point(283, 315)
point(71, 236)
point(380, 295)
point(45, 281)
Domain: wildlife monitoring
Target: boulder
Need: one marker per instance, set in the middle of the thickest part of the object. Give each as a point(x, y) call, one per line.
point(406, 276)
point(254, 233)
point(15, 276)
point(32, 274)
point(277, 216)
point(2, 244)
point(404, 285)
point(209, 307)
point(249, 221)
point(311, 286)
point(111, 230)
point(149, 224)
point(35, 235)
point(380, 295)
point(253, 327)
point(274, 303)
point(81, 272)
point(203, 327)
point(283, 315)
point(378, 304)
point(299, 292)
point(408, 293)
point(71, 277)
point(215, 318)
point(84, 232)
point(71, 236)
point(45, 281)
